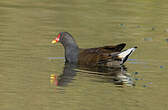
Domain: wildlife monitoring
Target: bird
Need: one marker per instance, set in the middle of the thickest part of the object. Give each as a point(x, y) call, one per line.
point(108, 56)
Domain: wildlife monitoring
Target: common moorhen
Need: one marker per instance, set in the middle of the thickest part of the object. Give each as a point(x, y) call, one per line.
point(101, 56)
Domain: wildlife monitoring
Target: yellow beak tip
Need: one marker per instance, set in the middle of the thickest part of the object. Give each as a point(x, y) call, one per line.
point(53, 42)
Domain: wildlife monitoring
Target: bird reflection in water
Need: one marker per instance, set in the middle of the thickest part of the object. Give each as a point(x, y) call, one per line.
point(117, 75)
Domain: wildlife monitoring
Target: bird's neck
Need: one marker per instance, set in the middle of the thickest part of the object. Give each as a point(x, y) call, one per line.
point(71, 52)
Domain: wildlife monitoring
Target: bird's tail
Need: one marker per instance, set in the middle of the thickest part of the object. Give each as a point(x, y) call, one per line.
point(125, 54)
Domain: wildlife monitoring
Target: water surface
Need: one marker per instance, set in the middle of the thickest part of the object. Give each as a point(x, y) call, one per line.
point(27, 55)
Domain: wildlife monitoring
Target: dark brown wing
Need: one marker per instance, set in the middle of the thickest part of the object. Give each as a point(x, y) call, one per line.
point(116, 48)
point(105, 49)
point(94, 56)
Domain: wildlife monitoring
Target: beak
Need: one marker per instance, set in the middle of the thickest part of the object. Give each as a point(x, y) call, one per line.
point(54, 41)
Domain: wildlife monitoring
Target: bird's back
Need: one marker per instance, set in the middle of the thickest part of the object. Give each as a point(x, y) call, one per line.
point(101, 56)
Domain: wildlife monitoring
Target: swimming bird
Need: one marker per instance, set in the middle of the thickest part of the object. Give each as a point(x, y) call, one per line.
point(101, 56)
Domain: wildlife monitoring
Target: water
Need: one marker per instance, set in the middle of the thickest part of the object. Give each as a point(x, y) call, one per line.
point(27, 28)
